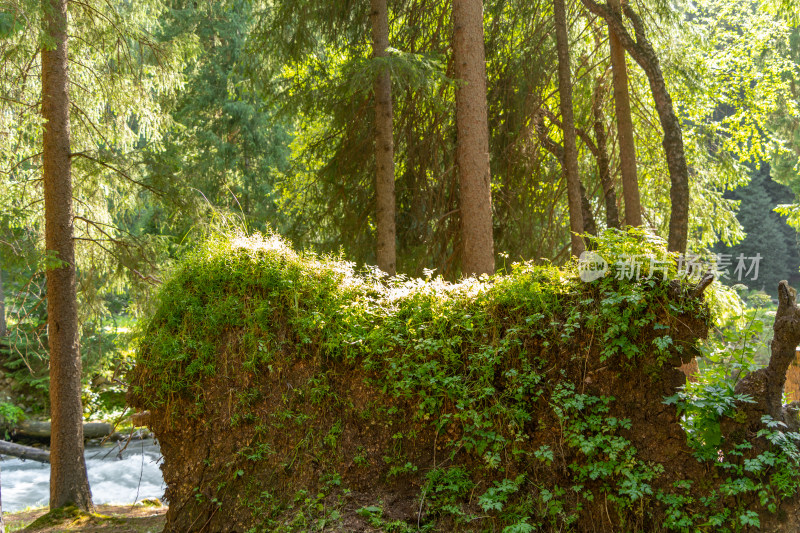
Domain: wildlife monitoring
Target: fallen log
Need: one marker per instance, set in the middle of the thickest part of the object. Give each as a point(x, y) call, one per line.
point(24, 452)
point(34, 429)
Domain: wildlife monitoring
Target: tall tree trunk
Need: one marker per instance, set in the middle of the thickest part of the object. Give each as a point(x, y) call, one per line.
point(627, 146)
point(472, 149)
point(568, 125)
point(643, 53)
point(384, 144)
point(603, 164)
point(68, 481)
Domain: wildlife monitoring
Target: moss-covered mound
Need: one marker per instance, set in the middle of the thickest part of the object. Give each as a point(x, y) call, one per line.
point(290, 394)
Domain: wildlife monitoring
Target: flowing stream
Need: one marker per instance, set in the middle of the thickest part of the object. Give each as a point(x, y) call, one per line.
point(114, 478)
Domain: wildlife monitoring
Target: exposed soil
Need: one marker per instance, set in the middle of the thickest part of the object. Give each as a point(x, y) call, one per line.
point(349, 435)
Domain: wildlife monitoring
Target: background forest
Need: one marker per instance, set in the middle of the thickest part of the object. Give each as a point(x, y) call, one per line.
point(191, 117)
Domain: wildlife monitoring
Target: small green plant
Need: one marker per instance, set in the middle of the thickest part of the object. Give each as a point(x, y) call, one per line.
point(360, 458)
point(702, 408)
point(495, 497)
point(374, 517)
point(445, 490)
point(10, 415)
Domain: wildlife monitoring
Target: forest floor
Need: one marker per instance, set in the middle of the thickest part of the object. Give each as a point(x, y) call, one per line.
point(106, 518)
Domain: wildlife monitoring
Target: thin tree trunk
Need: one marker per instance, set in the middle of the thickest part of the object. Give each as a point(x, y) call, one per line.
point(603, 164)
point(384, 144)
point(68, 481)
point(589, 224)
point(472, 148)
point(568, 126)
point(627, 146)
point(3, 324)
point(643, 53)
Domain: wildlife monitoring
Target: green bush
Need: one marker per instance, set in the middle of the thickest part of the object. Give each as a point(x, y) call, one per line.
point(498, 364)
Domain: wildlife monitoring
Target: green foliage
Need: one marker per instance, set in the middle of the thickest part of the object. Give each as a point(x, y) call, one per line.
point(105, 354)
point(730, 76)
point(374, 516)
point(455, 353)
point(446, 488)
point(118, 73)
point(767, 475)
point(767, 235)
point(224, 146)
point(735, 348)
point(10, 414)
point(703, 407)
point(608, 456)
point(495, 497)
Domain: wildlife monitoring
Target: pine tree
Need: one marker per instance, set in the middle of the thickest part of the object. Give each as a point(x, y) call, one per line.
point(627, 146)
point(384, 144)
point(472, 149)
point(765, 235)
point(69, 483)
point(227, 146)
point(568, 125)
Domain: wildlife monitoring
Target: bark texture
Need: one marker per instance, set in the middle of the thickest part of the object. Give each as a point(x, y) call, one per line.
point(384, 144)
point(472, 149)
point(68, 481)
point(589, 224)
point(601, 154)
point(568, 122)
point(627, 146)
point(643, 53)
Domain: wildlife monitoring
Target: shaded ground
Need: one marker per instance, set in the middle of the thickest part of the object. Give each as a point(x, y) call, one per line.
point(116, 518)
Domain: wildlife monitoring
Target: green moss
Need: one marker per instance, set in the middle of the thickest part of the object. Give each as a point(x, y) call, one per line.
point(277, 303)
point(69, 517)
point(490, 363)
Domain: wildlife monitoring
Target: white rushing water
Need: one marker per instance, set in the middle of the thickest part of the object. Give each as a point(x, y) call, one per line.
point(112, 479)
